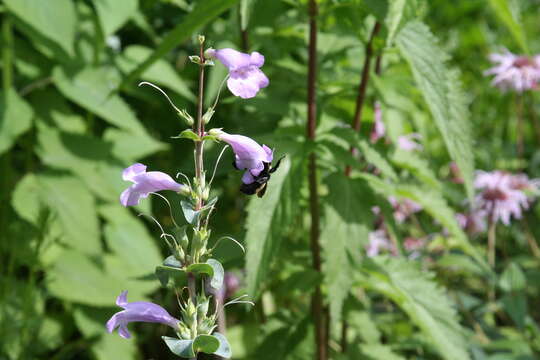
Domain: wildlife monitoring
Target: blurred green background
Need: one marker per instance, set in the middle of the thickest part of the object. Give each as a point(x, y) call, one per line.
point(72, 117)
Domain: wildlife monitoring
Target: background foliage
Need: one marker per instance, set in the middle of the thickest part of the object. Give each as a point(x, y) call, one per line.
point(72, 117)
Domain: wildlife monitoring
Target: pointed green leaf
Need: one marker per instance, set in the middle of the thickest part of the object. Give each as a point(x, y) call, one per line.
point(261, 244)
point(428, 306)
point(442, 92)
point(507, 12)
point(345, 232)
point(38, 15)
point(113, 14)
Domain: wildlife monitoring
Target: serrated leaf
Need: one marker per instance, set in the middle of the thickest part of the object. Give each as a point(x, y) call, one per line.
point(442, 92)
point(428, 306)
point(510, 19)
point(15, 118)
point(433, 203)
point(206, 343)
point(261, 245)
point(417, 166)
point(394, 19)
point(38, 14)
point(345, 231)
point(203, 13)
point(179, 347)
point(224, 349)
point(113, 14)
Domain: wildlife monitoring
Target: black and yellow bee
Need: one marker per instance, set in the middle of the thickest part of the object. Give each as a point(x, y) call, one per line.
point(260, 184)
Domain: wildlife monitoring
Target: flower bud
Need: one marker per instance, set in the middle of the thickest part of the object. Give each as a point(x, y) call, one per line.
point(210, 53)
point(202, 307)
point(208, 115)
point(189, 314)
point(201, 39)
point(185, 115)
point(184, 331)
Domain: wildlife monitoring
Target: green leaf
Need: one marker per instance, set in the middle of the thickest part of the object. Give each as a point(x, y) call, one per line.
point(504, 11)
point(206, 343)
point(90, 89)
point(113, 14)
point(202, 14)
point(246, 7)
point(129, 239)
point(171, 261)
point(436, 206)
point(394, 19)
point(188, 134)
point(442, 91)
point(74, 277)
point(224, 349)
point(164, 273)
point(128, 146)
point(89, 321)
point(15, 118)
point(75, 207)
point(191, 215)
point(417, 166)
point(379, 351)
point(179, 347)
point(160, 72)
point(201, 268)
point(415, 292)
point(261, 244)
point(345, 232)
point(516, 306)
point(512, 279)
point(54, 19)
point(216, 280)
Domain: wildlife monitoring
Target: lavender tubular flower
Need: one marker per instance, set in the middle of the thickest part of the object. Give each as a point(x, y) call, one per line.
point(249, 155)
point(379, 130)
point(138, 311)
point(513, 72)
point(145, 183)
point(245, 77)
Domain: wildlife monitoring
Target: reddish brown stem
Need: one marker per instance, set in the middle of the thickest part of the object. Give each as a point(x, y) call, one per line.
point(316, 299)
point(362, 87)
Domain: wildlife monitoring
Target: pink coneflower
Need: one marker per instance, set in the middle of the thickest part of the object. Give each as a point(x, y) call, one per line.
point(513, 72)
point(503, 195)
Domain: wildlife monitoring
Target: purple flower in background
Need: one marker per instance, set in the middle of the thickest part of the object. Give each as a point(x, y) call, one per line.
point(245, 77)
point(473, 223)
point(404, 208)
point(231, 283)
point(503, 195)
point(513, 72)
point(249, 155)
point(146, 182)
point(414, 246)
point(138, 311)
point(408, 143)
point(379, 241)
point(378, 127)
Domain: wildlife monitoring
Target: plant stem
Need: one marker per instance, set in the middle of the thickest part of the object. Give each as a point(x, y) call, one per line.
point(362, 87)
point(491, 241)
point(534, 118)
point(519, 125)
point(531, 239)
point(244, 37)
point(316, 299)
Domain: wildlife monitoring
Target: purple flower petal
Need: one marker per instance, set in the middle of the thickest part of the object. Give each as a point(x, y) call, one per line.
point(139, 311)
point(249, 155)
point(245, 77)
point(146, 182)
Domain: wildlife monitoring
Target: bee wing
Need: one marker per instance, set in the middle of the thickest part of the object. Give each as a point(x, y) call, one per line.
point(261, 190)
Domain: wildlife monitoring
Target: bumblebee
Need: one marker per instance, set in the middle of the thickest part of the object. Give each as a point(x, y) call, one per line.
point(260, 184)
